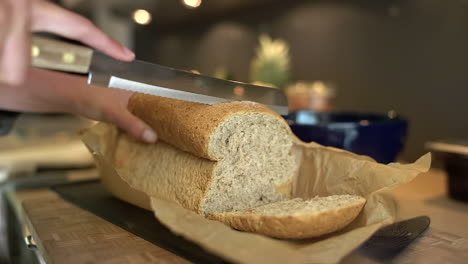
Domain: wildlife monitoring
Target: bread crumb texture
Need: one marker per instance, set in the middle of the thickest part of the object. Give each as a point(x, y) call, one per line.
point(296, 218)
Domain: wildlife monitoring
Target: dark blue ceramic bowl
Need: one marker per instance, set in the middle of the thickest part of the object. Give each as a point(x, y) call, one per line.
point(377, 136)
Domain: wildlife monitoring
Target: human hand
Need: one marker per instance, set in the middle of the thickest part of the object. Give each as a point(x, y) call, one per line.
point(18, 18)
point(46, 91)
point(34, 90)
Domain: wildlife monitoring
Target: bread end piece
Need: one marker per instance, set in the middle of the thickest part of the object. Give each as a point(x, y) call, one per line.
point(296, 218)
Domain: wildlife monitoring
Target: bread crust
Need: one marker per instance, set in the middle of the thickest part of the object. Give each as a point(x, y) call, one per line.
point(191, 126)
point(179, 176)
point(293, 226)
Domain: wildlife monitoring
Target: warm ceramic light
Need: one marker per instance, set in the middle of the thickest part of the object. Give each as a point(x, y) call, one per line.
point(142, 17)
point(192, 3)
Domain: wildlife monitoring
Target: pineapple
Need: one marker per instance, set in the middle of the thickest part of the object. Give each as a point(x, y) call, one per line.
point(271, 65)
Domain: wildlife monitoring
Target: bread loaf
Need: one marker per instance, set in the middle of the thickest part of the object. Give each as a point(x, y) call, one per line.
point(232, 162)
point(219, 158)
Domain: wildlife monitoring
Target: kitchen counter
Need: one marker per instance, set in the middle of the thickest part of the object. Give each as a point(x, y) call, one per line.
point(427, 195)
point(446, 241)
point(65, 233)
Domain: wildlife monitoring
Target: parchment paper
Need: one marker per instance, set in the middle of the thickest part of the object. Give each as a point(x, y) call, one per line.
point(324, 171)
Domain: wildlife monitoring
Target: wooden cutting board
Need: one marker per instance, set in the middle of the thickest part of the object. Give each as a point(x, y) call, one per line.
point(65, 233)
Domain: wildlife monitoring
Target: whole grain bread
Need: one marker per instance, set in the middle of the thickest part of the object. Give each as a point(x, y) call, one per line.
point(210, 158)
point(296, 218)
point(233, 162)
point(195, 127)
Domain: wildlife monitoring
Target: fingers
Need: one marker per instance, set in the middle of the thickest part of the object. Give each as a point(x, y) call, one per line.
point(18, 17)
point(54, 19)
point(114, 110)
point(5, 20)
point(132, 125)
point(109, 105)
point(15, 57)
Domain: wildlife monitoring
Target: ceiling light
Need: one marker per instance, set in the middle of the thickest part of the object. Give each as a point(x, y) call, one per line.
point(192, 3)
point(142, 17)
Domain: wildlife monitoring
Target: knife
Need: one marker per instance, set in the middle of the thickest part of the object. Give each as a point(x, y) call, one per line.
point(149, 78)
point(392, 240)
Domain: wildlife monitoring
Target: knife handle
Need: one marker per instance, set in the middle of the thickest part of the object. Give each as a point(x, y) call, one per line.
point(59, 55)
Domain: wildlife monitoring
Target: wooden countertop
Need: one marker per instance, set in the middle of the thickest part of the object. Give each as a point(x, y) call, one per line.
point(427, 195)
point(446, 241)
point(65, 233)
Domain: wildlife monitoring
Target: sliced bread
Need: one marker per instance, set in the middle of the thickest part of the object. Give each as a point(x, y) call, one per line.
point(296, 218)
point(210, 158)
point(233, 162)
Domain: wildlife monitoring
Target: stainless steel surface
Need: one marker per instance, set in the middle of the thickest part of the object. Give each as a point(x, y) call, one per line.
point(159, 80)
point(29, 240)
point(119, 83)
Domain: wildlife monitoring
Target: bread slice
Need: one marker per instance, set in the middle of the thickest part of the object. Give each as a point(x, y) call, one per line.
point(210, 158)
point(296, 218)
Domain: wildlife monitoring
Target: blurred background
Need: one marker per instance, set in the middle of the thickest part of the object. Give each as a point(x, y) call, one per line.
point(393, 58)
point(410, 57)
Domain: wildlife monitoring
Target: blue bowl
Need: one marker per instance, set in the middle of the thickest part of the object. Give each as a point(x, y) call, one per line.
point(374, 135)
